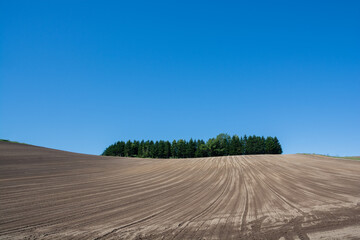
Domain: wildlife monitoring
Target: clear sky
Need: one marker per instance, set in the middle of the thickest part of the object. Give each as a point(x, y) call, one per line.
point(80, 75)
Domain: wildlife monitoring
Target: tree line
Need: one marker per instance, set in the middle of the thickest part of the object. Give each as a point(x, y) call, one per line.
point(222, 145)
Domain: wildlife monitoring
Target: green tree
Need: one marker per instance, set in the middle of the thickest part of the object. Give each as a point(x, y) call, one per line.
point(272, 146)
point(141, 149)
point(222, 144)
point(269, 145)
point(146, 152)
point(156, 149)
point(174, 149)
point(181, 145)
point(162, 149)
point(201, 149)
point(235, 146)
point(120, 147)
point(135, 148)
point(167, 153)
point(151, 149)
point(250, 147)
point(278, 149)
point(127, 149)
point(191, 149)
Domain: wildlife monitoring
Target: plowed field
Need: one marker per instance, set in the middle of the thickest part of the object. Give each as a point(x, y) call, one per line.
point(51, 194)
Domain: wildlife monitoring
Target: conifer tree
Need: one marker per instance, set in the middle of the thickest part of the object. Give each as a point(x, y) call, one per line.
point(127, 149)
point(156, 149)
point(269, 145)
point(278, 148)
point(151, 149)
point(141, 149)
point(235, 146)
point(181, 145)
point(244, 144)
point(190, 149)
point(135, 148)
point(174, 150)
point(167, 153)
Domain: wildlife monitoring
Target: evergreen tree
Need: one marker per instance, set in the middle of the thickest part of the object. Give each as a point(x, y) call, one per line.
point(249, 147)
point(146, 149)
point(110, 150)
point(262, 145)
point(269, 145)
point(278, 148)
point(127, 149)
point(167, 153)
point(181, 145)
point(161, 150)
point(272, 146)
point(174, 150)
point(235, 146)
point(258, 145)
point(244, 145)
point(135, 148)
point(120, 149)
point(191, 149)
point(151, 149)
point(141, 149)
point(156, 149)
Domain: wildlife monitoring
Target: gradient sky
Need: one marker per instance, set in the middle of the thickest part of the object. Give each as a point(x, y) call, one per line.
point(80, 76)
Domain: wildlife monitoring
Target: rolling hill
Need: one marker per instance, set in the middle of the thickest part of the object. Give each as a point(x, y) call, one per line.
point(52, 194)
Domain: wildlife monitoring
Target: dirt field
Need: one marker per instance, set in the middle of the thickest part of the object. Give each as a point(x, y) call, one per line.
point(50, 194)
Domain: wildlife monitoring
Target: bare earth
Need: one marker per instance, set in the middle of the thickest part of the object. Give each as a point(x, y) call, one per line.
point(51, 194)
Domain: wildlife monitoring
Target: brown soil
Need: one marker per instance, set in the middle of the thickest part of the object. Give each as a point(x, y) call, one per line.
point(51, 194)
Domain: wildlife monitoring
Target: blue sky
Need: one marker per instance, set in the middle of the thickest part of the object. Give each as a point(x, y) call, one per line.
point(80, 75)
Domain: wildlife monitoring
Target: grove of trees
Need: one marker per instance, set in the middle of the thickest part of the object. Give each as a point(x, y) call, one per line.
point(222, 145)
